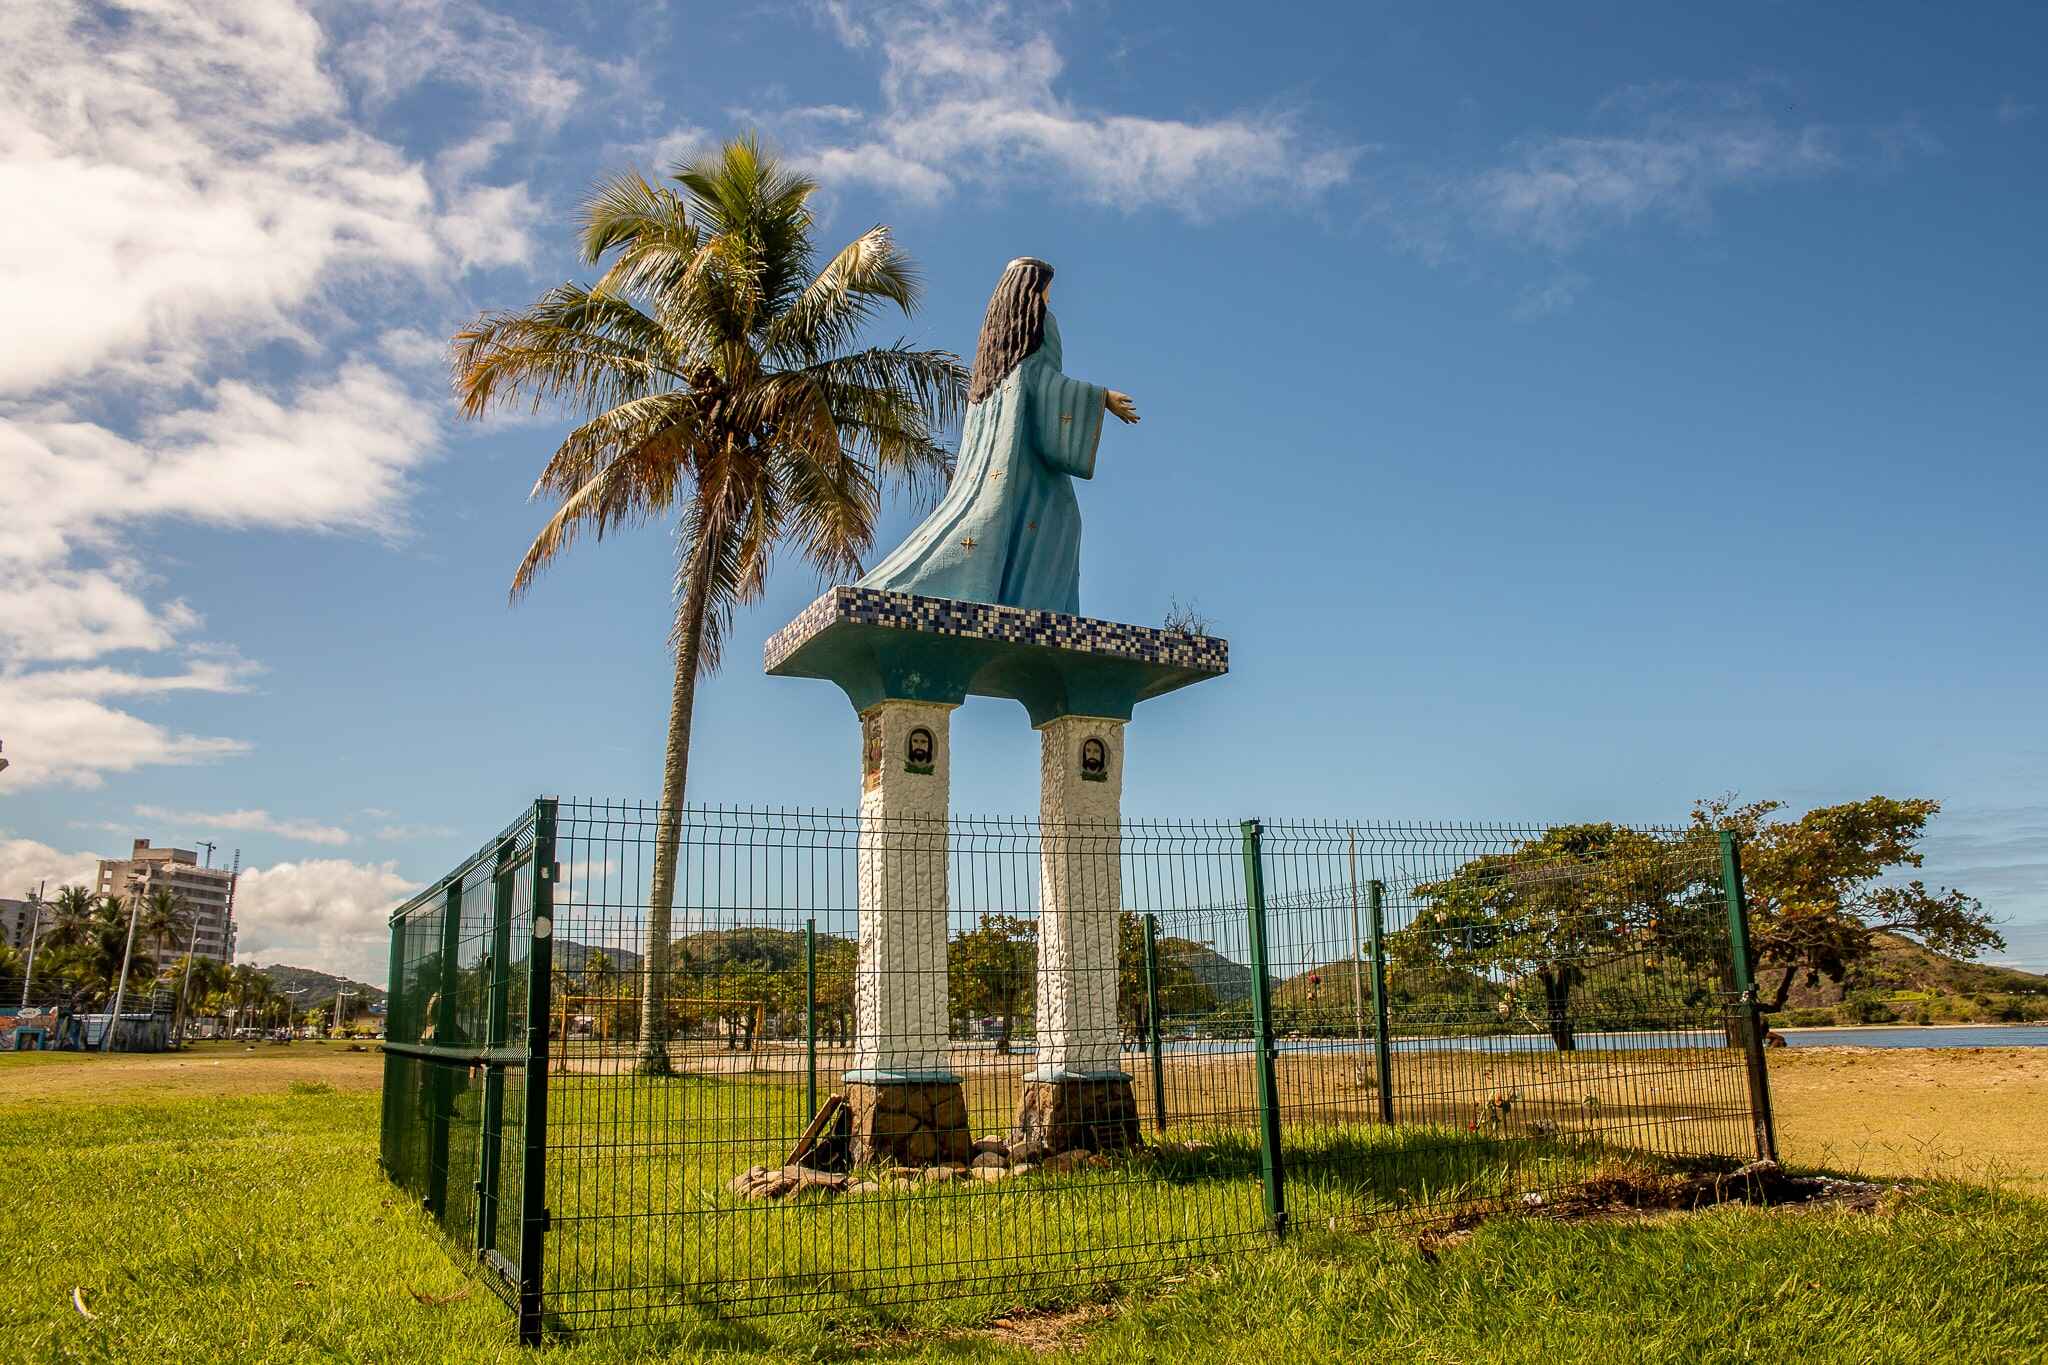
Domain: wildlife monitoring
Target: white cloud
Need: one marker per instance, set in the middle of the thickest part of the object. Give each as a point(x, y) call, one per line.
point(327, 913)
point(257, 821)
point(1665, 152)
point(67, 615)
point(416, 832)
point(199, 172)
point(1555, 295)
point(1560, 190)
point(968, 91)
point(185, 167)
point(406, 43)
point(26, 864)
point(60, 733)
point(2011, 110)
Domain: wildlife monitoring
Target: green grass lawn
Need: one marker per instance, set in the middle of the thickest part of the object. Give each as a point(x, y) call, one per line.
point(208, 1223)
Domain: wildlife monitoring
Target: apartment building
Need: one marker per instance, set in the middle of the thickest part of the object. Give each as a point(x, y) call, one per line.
point(208, 892)
point(18, 922)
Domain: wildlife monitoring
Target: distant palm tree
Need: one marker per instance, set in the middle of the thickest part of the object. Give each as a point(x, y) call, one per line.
point(249, 989)
point(191, 988)
point(87, 943)
point(71, 912)
point(715, 372)
point(165, 915)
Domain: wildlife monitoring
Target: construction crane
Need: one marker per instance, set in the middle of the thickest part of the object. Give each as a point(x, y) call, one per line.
point(209, 846)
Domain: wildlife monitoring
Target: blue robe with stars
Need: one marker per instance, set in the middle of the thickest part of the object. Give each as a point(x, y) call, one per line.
point(1008, 530)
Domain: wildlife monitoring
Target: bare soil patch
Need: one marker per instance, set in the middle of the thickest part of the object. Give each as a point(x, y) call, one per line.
point(203, 1070)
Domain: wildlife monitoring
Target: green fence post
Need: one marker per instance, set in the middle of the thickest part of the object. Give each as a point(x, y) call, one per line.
point(1383, 1048)
point(440, 1075)
point(394, 1011)
point(540, 969)
point(810, 1019)
point(1271, 1167)
point(497, 1017)
point(1152, 1021)
point(1748, 1013)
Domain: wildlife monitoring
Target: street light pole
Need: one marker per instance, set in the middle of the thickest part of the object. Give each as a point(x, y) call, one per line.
point(185, 986)
point(35, 930)
point(127, 956)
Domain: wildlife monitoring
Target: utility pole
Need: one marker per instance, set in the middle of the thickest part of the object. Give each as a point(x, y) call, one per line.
point(127, 955)
point(185, 986)
point(35, 929)
point(339, 994)
point(227, 916)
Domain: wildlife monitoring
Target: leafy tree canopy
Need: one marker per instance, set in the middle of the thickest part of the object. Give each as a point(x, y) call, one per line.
point(1819, 890)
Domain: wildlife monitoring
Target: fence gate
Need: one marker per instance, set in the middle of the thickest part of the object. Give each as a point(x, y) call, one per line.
point(465, 1075)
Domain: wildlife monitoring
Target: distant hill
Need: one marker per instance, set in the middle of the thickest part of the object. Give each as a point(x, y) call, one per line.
point(1228, 981)
point(316, 984)
point(1902, 965)
point(571, 955)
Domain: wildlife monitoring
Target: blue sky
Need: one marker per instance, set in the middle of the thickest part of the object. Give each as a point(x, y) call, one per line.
point(1565, 413)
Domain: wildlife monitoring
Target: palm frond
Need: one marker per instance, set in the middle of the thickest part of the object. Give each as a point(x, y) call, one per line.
point(827, 315)
point(574, 347)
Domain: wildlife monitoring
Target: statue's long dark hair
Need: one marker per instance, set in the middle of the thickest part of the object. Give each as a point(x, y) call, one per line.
point(1014, 327)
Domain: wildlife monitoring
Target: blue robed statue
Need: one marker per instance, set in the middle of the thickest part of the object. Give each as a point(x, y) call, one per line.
point(1008, 530)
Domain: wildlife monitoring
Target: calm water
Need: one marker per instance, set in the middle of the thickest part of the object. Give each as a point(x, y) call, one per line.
point(1969, 1035)
point(1962, 1035)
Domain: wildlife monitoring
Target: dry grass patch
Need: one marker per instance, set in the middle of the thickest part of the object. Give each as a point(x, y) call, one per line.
point(204, 1070)
point(1948, 1113)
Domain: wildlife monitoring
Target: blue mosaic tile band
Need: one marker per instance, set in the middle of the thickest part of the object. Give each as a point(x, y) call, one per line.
point(986, 621)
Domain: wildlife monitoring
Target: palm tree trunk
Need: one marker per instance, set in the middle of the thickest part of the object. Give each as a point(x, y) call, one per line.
point(669, 816)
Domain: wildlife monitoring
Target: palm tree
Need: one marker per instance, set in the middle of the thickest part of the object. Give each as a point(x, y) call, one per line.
point(70, 913)
point(714, 370)
point(164, 916)
point(249, 988)
point(87, 943)
point(191, 980)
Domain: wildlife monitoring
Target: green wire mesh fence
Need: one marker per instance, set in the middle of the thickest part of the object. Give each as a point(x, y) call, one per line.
point(866, 1063)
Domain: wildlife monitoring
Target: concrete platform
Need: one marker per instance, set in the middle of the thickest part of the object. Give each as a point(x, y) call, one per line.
point(888, 646)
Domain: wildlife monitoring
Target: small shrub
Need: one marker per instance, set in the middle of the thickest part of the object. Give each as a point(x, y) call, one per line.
point(1804, 1018)
point(1868, 1007)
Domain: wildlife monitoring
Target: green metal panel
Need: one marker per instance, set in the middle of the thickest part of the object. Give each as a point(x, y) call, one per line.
point(1272, 1168)
point(1748, 1013)
point(1383, 1048)
point(1152, 1021)
point(533, 1209)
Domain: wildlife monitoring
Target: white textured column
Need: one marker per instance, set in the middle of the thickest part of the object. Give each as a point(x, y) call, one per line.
point(1080, 807)
point(899, 995)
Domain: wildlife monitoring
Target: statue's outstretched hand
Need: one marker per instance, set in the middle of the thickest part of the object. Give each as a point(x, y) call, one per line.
point(1120, 404)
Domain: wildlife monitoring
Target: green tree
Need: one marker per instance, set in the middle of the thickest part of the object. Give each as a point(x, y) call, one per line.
point(88, 942)
point(1820, 888)
point(992, 970)
point(248, 992)
point(1545, 913)
point(191, 988)
point(1181, 988)
point(715, 373)
point(838, 965)
point(165, 919)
